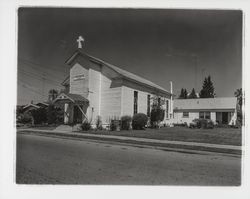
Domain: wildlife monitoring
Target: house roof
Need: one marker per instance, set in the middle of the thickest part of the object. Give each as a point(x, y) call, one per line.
point(36, 106)
point(71, 97)
point(42, 104)
point(31, 105)
point(123, 73)
point(205, 103)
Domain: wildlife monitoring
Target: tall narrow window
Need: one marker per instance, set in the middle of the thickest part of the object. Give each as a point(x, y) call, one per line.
point(167, 109)
point(159, 101)
point(148, 106)
point(135, 101)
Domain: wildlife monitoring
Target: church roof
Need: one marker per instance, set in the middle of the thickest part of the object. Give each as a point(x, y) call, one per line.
point(122, 72)
point(220, 103)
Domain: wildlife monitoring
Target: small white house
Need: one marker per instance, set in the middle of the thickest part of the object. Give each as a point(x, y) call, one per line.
point(219, 110)
point(31, 106)
point(96, 88)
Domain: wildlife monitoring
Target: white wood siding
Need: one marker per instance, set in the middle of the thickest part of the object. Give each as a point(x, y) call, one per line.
point(128, 101)
point(142, 102)
point(79, 87)
point(110, 100)
point(179, 119)
point(109, 96)
point(94, 94)
point(213, 116)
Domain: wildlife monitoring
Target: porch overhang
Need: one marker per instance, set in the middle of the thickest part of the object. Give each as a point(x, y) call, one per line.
point(71, 98)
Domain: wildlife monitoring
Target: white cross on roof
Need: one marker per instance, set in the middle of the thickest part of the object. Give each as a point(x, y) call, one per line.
point(79, 41)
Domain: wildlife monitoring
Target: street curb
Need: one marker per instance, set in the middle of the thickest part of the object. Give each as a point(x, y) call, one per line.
point(126, 140)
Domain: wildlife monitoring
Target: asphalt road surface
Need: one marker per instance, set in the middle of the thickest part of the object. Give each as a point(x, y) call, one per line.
point(46, 160)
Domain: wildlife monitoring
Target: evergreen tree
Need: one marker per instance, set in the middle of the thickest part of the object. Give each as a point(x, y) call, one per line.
point(192, 94)
point(52, 94)
point(157, 111)
point(183, 94)
point(207, 90)
point(238, 94)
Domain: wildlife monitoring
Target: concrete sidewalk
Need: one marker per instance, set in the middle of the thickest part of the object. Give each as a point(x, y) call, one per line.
point(143, 141)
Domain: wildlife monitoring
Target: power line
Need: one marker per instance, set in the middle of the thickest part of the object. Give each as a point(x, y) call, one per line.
point(52, 84)
point(41, 77)
point(32, 90)
point(43, 70)
point(39, 65)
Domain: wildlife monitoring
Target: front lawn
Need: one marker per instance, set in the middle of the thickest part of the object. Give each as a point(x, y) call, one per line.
point(229, 136)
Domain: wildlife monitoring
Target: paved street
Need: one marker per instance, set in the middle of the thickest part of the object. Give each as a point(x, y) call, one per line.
point(47, 160)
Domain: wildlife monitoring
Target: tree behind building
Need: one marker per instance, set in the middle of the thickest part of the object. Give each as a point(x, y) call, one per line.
point(207, 90)
point(183, 94)
point(52, 95)
point(192, 95)
point(238, 94)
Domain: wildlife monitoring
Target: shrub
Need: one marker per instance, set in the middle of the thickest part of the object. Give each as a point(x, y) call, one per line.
point(54, 114)
point(205, 123)
point(51, 114)
point(19, 113)
point(59, 115)
point(112, 125)
point(25, 118)
point(115, 125)
point(156, 115)
point(39, 115)
point(180, 124)
point(85, 126)
point(125, 122)
point(99, 122)
point(139, 121)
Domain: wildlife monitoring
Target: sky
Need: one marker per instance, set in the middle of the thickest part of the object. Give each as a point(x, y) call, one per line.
point(161, 45)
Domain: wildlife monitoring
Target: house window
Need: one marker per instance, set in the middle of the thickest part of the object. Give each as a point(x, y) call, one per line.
point(159, 101)
point(185, 114)
point(204, 115)
point(207, 115)
point(135, 101)
point(148, 105)
point(167, 108)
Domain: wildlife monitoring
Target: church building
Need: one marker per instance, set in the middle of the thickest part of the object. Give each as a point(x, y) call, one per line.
point(96, 88)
